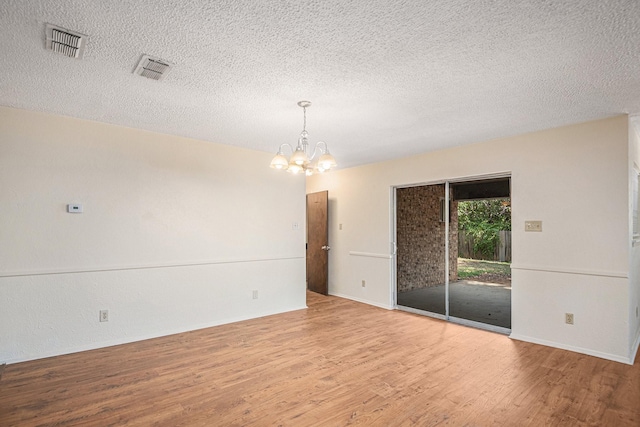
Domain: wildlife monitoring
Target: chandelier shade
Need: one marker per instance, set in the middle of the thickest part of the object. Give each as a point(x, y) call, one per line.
point(300, 160)
point(299, 157)
point(280, 161)
point(326, 161)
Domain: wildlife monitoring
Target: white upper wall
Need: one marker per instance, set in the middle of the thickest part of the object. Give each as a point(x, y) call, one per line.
point(170, 225)
point(634, 251)
point(148, 198)
point(574, 179)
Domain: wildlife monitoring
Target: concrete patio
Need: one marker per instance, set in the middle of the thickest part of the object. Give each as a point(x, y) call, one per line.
point(483, 302)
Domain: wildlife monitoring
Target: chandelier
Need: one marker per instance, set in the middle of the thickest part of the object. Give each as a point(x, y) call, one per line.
point(300, 160)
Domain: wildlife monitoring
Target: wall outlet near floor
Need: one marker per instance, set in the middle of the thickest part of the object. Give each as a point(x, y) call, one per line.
point(364, 283)
point(255, 294)
point(104, 315)
point(568, 318)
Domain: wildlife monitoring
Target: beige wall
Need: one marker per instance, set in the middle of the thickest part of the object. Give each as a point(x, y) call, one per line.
point(574, 179)
point(176, 234)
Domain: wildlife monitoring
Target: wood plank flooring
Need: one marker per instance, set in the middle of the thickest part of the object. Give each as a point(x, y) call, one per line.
point(337, 363)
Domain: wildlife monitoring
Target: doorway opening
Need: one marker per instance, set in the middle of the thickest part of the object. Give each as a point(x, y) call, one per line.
point(437, 223)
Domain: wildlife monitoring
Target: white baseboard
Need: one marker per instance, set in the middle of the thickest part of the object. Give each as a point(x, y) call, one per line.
point(364, 301)
point(634, 349)
point(589, 352)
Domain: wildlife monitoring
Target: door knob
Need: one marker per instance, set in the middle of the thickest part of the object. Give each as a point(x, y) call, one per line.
point(326, 248)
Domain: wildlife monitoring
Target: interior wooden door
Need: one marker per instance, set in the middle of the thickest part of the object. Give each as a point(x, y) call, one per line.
point(318, 242)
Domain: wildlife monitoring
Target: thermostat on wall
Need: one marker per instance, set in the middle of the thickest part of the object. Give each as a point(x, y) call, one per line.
point(75, 208)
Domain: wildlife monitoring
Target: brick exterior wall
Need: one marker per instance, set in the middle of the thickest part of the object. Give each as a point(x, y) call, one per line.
point(421, 238)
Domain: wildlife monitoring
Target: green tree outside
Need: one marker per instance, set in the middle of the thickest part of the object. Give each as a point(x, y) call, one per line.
point(484, 219)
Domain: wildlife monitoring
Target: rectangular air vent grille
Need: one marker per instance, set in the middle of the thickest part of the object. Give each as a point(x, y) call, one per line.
point(152, 68)
point(65, 42)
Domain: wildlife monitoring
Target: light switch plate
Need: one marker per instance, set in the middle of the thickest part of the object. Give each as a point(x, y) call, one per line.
point(533, 226)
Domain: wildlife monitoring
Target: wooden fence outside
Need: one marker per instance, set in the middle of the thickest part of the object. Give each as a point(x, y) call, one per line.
point(502, 251)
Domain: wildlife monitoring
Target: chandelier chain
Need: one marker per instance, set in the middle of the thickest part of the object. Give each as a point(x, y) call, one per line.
point(304, 125)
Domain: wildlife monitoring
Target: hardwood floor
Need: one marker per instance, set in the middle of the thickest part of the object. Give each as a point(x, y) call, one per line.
point(337, 363)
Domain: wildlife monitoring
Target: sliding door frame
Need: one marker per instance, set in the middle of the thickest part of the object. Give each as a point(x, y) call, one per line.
point(394, 248)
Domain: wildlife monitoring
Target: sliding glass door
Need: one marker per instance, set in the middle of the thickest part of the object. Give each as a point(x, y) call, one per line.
point(430, 235)
point(420, 240)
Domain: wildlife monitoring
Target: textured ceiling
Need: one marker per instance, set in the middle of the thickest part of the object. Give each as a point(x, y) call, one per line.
point(387, 78)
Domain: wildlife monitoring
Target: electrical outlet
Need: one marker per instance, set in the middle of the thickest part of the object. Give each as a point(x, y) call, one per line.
point(104, 315)
point(568, 318)
point(364, 283)
point(533, 226)
point(255, 294)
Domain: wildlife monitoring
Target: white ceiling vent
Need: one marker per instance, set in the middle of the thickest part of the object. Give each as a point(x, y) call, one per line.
point(69, 43)
point(153, 68)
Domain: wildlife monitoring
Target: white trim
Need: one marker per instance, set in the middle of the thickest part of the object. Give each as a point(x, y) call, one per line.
point(370, 255)
point(634, 349)
point(128, 340)
point(393, 248)
point(600, 354)
point(362, 300)
point(420, 184)
point(616, 274)
point(634, 220)
point(497, 175)
point(46, 272)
